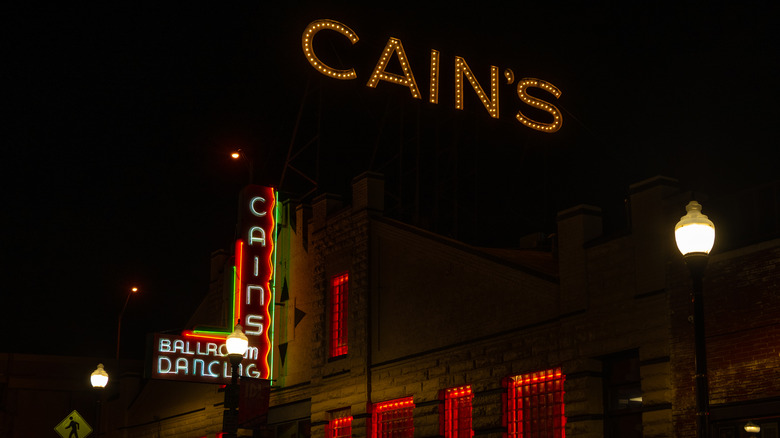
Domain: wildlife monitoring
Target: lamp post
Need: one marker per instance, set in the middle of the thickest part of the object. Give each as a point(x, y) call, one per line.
point(695, 235)
point(99, 379)
point(119, 321)
point(236, 345)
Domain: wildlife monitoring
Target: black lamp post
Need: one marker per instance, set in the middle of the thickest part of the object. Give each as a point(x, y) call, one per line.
point(99, 379)
point(695, 235)
point(236, 345)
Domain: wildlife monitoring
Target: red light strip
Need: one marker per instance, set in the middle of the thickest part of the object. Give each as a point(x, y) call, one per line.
point(239, 281)
point(192, 334)
point(395, 404)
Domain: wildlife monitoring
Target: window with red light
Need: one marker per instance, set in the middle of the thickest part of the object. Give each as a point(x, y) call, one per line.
point(455, 415)
point(392, 419)
point(339, 288)
point(534, 405)
point(339, 425)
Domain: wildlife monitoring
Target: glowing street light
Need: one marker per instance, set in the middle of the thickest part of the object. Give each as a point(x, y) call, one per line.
point(236, 345)
point(695, 233)
point(99, 377)
point(752, 427)
point(695, 236)
point(241, 154)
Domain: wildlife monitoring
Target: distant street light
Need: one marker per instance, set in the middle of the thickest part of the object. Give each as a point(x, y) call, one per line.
point(752, 427)
point(119, 321)
point(236, 345)
point(695, 236)
point(240, 153)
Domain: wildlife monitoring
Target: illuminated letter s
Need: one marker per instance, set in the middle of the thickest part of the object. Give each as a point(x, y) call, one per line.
point(524, 84)
point(254, 322)
point(308, 50)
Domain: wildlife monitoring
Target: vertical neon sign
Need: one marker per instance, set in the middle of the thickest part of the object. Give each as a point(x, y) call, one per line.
point(254, 269)
point(197, 355)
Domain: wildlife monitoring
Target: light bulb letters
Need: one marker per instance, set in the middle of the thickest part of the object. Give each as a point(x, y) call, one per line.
point(463, 73)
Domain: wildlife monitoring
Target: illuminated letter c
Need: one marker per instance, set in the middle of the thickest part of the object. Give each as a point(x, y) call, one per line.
point(253, 209)
point(308, 50)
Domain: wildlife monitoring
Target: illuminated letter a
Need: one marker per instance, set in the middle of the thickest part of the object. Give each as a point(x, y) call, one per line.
point(394, 46)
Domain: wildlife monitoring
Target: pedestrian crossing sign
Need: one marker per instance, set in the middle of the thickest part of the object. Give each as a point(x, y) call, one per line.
point(73, 426)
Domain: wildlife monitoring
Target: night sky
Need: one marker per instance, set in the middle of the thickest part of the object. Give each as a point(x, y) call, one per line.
point(119, 120)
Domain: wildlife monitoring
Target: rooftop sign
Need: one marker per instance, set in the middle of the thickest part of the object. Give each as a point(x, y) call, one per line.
point(462, 71)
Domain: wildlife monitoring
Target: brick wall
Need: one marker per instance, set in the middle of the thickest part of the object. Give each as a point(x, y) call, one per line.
point(741, 302)
point(441, 314)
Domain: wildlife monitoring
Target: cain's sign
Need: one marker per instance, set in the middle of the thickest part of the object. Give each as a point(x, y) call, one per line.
point(199, 354)
point(463, 75)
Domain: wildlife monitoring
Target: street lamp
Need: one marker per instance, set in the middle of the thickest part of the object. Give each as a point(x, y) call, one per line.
point(240, 153)
point(236, 345)
point(99, 379)
point(119, 322)
point(695, 235)
point(752, 427)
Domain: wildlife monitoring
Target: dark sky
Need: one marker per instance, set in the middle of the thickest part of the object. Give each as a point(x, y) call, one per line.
point(118, 121)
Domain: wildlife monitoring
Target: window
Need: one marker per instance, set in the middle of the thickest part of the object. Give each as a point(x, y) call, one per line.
point(622, 396)
point(292, 429)
point(534, 405)
point(455, 415)
point(339, 288)
point(339, 425)
point(392, 419)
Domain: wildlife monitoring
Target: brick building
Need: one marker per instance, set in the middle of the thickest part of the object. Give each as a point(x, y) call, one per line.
point(385, 329)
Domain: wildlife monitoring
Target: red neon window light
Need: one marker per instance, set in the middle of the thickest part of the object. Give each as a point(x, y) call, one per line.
point(455, 418)
point(534, 405)
point(339, 288)
point(392, 419)
point(340, 425)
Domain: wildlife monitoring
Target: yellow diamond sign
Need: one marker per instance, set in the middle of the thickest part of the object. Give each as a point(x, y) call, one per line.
point(73, 426)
